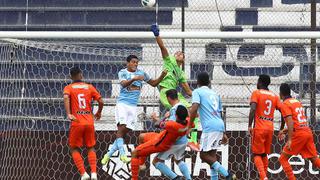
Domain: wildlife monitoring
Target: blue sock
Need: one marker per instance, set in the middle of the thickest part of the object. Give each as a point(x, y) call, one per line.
point(214, 174)
point(165, 170)
point(217, 167)
point(120, 146)
point(113, 149)
point(184, 170)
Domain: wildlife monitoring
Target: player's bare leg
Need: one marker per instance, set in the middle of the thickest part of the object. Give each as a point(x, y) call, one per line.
point(92, 158)
point(284, 157)
point(211, 159)
point(78, 161)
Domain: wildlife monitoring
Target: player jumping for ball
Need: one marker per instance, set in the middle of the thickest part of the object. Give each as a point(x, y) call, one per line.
point(77, 101)
point(131, 79)
point(174, 77)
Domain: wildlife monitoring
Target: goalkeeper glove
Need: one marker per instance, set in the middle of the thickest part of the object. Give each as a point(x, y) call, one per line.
point(155, 29)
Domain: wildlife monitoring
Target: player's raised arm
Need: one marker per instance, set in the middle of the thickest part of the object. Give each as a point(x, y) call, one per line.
point(155, 82)
point(156, 33)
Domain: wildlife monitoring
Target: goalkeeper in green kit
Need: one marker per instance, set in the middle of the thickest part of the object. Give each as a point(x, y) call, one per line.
point(174, 77)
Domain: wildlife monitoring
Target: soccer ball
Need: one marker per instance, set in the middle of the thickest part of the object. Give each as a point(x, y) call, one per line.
point(148, 3)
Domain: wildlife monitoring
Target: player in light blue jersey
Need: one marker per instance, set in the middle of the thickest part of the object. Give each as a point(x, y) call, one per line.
point(208, 103)
point(131, 81)
point(177, 150)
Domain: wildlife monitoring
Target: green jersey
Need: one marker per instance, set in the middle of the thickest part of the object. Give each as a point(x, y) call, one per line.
point(174, 76)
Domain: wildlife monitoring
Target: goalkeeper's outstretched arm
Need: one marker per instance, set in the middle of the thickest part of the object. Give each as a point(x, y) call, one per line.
point(156, 32)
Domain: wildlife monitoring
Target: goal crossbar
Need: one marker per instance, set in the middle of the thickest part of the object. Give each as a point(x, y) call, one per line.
point(166, 35)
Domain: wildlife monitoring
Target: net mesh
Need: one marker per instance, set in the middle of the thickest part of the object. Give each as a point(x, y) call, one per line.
point(34, 131)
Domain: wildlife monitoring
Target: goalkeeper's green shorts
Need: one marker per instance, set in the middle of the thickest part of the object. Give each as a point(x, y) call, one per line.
point(164, 100)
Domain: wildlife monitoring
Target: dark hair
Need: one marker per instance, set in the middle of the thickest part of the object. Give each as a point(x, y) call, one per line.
point(264, 80)
point(172, 94)
point(285, 89)
point(131, 57)
point(75, 71)
point(203, 79)
point(182, 114)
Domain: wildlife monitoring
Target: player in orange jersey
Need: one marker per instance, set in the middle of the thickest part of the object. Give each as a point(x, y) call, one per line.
point(159, 142)
point(300, 138)
point(77, 101)
point(262, 106)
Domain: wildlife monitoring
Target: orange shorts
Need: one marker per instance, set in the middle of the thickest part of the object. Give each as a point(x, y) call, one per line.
point(149, 146)
point(149, 136)
point(302, 143)
point(261, 141)
point(82, 135)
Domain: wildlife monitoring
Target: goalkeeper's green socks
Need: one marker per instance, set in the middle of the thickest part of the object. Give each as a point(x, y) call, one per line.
point(194, 132)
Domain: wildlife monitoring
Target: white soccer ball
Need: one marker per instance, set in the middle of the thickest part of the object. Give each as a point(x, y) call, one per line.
point(148, 3)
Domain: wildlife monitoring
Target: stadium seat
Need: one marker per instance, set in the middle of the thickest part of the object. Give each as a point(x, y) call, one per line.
point(297, 1)
point(246, 16)
point(261, 3)
point(234, 70)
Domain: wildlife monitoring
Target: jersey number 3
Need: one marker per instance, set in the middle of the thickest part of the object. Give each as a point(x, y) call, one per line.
point(81, 101)
point(267, 111)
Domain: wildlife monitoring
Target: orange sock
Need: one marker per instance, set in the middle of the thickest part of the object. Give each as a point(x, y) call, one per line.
point(142, 160)
point(78, 161)
point(265, 163)
point(316, 163)
point(135, 168)
point(92, 158)
point(286, 167)
point(259, 164)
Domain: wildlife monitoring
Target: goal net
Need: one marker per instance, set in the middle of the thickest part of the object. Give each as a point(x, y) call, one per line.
point(33, 124)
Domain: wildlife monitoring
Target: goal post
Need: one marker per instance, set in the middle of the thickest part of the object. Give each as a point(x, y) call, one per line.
point(34, 68)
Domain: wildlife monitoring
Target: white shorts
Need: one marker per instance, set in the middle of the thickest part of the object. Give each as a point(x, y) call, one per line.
point(177, 151)
point(126, 114)
point(210, 141)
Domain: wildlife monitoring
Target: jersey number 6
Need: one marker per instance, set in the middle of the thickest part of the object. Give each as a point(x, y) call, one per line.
point(81, 101)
